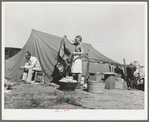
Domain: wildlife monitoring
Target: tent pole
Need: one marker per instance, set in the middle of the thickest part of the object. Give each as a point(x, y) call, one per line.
point(87, 68)
point(87, 71)
point(125, 71)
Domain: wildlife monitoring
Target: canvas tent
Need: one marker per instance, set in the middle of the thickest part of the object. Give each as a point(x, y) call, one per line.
point(45, 47)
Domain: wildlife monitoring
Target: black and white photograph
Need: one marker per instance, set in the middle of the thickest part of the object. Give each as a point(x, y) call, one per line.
point(74, 61)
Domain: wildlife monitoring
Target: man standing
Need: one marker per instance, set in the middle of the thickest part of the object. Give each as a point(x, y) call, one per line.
point(31, 65)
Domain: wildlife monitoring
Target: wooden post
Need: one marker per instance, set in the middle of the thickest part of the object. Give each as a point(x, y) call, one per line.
point(125, 70)
point(87, 69)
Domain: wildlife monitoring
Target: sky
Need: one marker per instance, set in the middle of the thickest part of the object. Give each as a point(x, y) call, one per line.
point(117, 30)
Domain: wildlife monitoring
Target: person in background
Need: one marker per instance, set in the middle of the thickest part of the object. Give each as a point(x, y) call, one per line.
point(77, 62)
point(32, 64)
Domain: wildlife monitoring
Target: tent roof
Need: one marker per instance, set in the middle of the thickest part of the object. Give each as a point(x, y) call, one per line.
point(55, 44)
point(45, 47)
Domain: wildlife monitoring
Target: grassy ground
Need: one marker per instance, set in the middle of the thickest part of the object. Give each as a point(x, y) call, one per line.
point(37, 96)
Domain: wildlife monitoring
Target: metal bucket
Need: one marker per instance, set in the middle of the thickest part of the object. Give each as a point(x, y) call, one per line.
point(95, 87)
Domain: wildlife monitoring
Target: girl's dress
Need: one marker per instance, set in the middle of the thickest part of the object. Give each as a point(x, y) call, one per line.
point(77, 62)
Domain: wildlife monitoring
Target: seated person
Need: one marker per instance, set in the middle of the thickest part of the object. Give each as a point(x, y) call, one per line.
point(31, 65)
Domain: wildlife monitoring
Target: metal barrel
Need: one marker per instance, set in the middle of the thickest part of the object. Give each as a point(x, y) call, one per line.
point(95, 87)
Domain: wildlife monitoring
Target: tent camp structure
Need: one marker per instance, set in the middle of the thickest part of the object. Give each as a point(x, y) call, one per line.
point(11, 51)
point(45, 47)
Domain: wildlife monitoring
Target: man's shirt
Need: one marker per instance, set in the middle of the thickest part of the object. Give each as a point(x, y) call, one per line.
point(33, 62)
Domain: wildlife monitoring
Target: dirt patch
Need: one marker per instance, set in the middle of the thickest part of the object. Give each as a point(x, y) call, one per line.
point(31, 96)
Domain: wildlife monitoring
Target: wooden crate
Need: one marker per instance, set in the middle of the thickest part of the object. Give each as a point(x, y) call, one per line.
point(96, 77)
point(110, 82)
point(120, 84)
